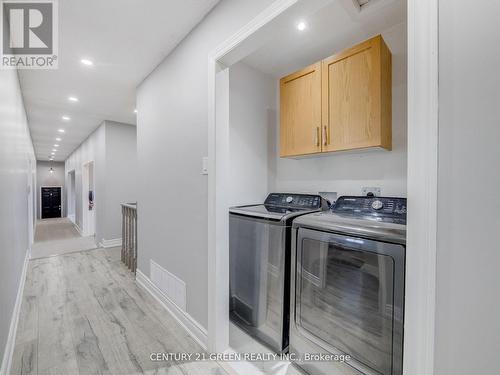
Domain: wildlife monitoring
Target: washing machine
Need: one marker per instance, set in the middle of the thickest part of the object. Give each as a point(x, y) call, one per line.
point(259, 264)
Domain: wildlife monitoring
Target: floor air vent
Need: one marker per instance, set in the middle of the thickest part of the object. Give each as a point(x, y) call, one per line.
point(170, 285)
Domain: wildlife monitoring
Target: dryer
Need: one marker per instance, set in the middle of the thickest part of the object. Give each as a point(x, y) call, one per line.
point(347, 282)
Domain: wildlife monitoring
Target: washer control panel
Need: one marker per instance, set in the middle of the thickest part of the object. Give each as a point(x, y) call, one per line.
point(379, 208)
point(300, 201)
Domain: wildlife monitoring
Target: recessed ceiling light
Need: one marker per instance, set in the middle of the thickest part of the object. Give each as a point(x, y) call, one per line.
point(135, 110)
point(56, 145)
point(73, 99)
point(54, 150)
point(52, 153)
point(58, 139)
point(61, 130)
point(301, 26)
point(66, 118)
point(87, 62)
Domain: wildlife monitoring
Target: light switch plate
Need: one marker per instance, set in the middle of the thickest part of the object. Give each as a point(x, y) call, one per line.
point(375, 190)
point(204, 165)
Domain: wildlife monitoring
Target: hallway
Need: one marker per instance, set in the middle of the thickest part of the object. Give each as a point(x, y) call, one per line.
point(83, 313)
point(58, 236)
point(55, 229)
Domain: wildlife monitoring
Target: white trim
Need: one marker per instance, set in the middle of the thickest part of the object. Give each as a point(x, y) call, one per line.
point(420, 301)
point(69, 197)
point(192, 327)
point(262, 19)
point(31, 204)
point(62, 200)
point(11, 339)
point(115, 242)
point(79, 230)
point(218, 325)
point(88, 216)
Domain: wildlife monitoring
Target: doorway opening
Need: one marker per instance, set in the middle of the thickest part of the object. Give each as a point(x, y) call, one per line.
point(71, 196)
point(88, 199)
point(419, 71)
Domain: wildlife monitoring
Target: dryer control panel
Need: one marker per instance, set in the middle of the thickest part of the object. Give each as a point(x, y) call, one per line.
point(379, 208)
point(297, 201)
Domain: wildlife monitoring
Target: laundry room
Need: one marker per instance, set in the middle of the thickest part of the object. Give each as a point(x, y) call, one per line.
point(298, 144)
point(249, 187)
point(254, 109)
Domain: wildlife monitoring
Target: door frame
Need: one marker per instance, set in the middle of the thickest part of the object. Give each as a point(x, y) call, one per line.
point(32, 203)
point(62, 200)
point(420, 294)
point(88, 217)
point(71, 198)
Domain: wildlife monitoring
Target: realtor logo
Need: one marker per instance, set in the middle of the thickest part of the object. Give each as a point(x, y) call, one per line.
point(29, 34)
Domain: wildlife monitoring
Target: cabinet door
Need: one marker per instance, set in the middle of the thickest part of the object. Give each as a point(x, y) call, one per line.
point(300, 108)
point(356, 94)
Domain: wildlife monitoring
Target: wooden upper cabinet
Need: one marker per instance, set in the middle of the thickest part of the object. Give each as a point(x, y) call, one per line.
point(356, 95)
point(300, 112)
point(354, 100)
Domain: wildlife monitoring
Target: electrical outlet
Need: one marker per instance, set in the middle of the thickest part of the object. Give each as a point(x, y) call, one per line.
point(376, 191)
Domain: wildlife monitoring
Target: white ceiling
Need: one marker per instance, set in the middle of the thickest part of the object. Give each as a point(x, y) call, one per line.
point(126, 40)
point(331, 26)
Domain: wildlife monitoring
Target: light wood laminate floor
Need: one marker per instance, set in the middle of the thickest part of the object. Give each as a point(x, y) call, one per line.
point(83, 313)
point(55, 229)
point(58, 236)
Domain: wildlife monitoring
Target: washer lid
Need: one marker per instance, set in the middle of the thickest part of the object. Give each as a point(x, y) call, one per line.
point(268, 212)
point(366, 227)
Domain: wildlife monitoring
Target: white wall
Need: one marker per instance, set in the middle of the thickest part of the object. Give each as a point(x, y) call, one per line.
point(172, 139)
point(121, 175)
point(257, 169)
point(348, 172)
point(17, 171)
point(112, 147)
point(45, 178)
point(468, 253)
point(252, 117)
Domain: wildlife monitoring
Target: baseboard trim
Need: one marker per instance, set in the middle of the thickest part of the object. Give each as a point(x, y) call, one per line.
point(195, 329)
point(11, 339)
point(115, 242)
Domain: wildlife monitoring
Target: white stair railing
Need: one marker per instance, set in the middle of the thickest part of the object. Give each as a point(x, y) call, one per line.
point(129, 235)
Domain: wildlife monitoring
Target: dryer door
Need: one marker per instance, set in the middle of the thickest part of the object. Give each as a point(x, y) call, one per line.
point(349, 298)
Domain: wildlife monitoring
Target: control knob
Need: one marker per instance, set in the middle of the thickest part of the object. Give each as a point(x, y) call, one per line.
point(289, 199)
point(377, 205)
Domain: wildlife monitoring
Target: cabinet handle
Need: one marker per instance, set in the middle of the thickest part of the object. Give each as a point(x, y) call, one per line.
point(316, 136)
point(325, 136)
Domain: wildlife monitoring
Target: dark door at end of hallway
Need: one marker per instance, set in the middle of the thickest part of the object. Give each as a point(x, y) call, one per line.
point(51, 202)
